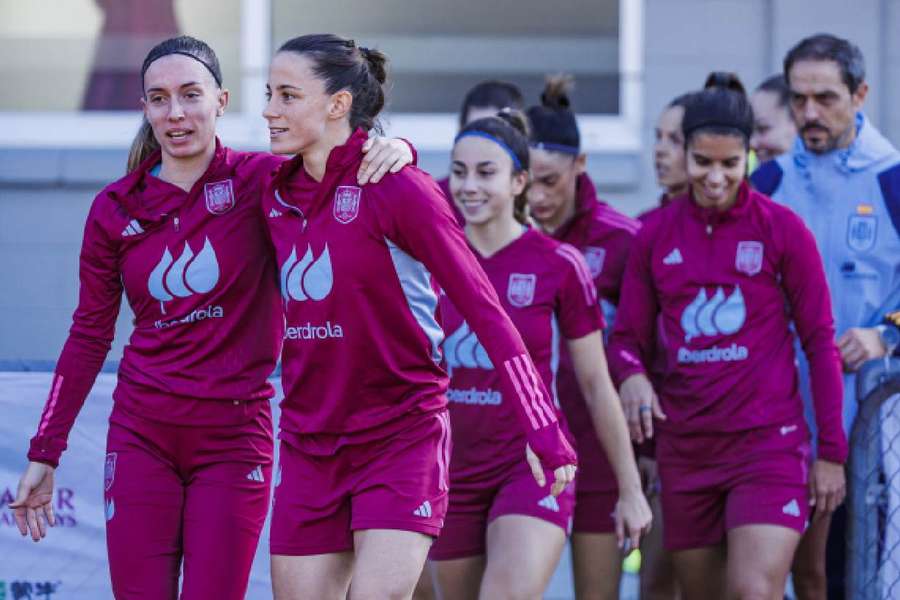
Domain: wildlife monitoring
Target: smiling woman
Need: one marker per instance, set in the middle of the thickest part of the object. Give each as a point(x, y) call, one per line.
point(379, 439)
point(708, 279)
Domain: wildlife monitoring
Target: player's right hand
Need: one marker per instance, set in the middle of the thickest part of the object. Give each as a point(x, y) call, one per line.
point(563, 475)
point(33, 508)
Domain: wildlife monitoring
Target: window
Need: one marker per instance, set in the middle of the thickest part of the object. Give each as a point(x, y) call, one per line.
point(69, 71)
point(439, 49)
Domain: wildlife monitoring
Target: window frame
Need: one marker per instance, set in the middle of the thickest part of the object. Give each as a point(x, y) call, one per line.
point(246, 129)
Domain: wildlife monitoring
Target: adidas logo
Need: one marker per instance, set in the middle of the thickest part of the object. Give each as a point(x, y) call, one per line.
point(791, 508)
point(256, 474)
point(424, 510)
point(549, 503)
point(275, 213)
point(786, 429)
point(673, 258)
point(133, 228)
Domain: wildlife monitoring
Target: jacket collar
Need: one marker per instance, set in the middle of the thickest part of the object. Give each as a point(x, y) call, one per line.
point(586, 202)
point(150, 199)
point(713, 216)
point(290, 174)
point(868, 147)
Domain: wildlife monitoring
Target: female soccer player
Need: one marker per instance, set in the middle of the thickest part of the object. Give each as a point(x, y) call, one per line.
point(364, 427)
point(563, 201)
point(190, 442)
point(774, 130)
point(504, 534)
point(668, 150)
point(722, 271)
point(485, 99)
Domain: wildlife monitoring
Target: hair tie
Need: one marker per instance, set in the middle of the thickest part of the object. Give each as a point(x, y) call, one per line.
point(716, 121)
point(217, 77)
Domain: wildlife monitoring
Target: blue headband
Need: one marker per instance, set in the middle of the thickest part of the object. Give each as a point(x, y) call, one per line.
point(475, 133)
point(551, 147)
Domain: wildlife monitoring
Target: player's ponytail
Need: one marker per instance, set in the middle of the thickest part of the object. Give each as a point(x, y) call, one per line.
point(553, 125)
point(142, 147)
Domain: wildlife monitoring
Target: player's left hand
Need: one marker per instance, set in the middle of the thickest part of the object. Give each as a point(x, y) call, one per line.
point(827, 487)
point(633, 519)
point(858, 345)
point(380, 156)
point(563, 475)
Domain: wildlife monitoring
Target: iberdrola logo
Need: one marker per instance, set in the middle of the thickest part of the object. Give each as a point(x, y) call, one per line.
point(308, 278)
point(714, 316)
point(463, 349)
point(184, 276)
point(719, 315)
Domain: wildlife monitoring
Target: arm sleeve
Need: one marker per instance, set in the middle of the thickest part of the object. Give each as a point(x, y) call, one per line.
point(577, 311)
point(632, 341)
point(803, 279)
point(90, 337)
point(420, 223)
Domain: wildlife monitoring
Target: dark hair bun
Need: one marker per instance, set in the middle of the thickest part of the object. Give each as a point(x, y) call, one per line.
point(721, 108)
point(377, 61)
point(516, 119)
point(724, 80)
point(557, 91)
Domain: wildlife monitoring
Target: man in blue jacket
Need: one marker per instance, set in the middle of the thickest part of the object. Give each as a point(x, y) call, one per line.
point(843, 178)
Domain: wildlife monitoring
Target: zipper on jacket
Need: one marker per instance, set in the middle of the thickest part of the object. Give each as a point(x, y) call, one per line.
point(709, 228)
point(176, 222)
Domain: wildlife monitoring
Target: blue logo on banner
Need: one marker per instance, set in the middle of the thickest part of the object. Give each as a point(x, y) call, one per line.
point(861, 232)
point(30, 590)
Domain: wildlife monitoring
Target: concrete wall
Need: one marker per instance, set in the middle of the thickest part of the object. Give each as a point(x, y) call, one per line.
point(45, 194)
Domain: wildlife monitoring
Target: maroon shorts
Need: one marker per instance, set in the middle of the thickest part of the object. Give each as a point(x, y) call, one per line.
point(596, 491)
point(399, 482)
point(474, 505)
point(198, 492)
point(717, 482)
point(594, 512)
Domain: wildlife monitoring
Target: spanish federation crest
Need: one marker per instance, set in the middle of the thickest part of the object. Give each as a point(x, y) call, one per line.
point(109, 470)
point(219, 197)
point(594, 257)
point(749, 257)
point(346, 203)
point(521, 289)
point(861, 232)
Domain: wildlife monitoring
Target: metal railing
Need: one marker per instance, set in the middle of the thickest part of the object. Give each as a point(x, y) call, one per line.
point(873, 491)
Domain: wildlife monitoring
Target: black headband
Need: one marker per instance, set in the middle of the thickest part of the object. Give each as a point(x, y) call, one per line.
point(209, 68)
point(713, 121)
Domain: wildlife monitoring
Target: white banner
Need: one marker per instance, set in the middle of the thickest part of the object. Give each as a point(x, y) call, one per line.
point(70, 563)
